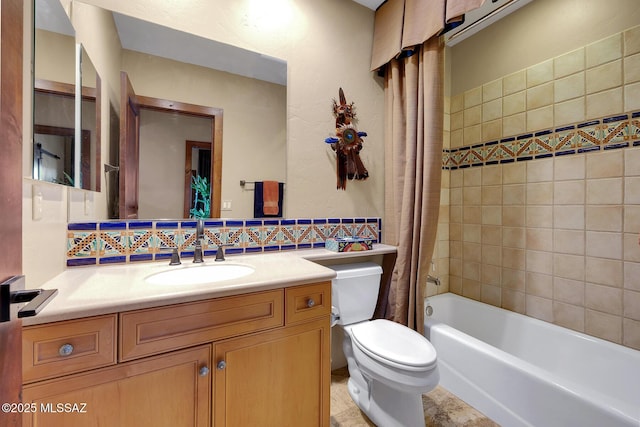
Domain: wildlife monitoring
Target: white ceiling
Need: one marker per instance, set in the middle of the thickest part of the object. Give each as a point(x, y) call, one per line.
point(371, 4)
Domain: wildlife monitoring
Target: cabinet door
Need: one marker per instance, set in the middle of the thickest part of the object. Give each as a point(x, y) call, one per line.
point(167, 390)
point(277, 378)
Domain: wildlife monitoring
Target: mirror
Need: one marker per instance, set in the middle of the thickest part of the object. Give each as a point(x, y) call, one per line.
point(66, 139)
point(175, 68)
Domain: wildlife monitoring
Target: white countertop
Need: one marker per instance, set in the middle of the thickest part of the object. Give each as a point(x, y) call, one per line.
point(96, 290)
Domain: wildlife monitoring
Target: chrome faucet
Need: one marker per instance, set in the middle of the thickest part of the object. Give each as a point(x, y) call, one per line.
point(435, 280)
point(197, 250)
point(220, 251)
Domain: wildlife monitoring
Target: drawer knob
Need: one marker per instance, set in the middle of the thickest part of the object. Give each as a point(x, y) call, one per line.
point(204, 371)
point(221, 365)
point(310, 302)
point(65, 350)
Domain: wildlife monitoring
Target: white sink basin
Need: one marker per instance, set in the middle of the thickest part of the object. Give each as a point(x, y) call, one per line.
point(199, 274)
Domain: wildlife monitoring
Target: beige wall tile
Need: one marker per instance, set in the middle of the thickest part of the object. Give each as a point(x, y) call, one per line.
point(492, 175)
point(514, 125)
point(540, 239)
point(472, 215)
point(540, 119)
point(513, 216)
point(607, 103)
point(457, 138)
point(492, 110)
point(568, 217)
point(631, 337)
point(603, 77)
point(457, 120)
point(604, 244)
point(472, 252)
point(604, 50)
point(491, 295)
point(443, 230)
point(514, 173)
point(491, 235)
point(540, 73)
point(456, 178)
point(569, 291)
point(568, 112)
point(455, 284)
point(603, 325)
point(632, 304)
point(539, 284)
point(605, 191)
point(513, 279)
point(539, 262)
point(455, 196)
point(569, 87)
point(568, 266)
point(446, 140)
point(491, 194)
point(472, 135)
point(513, 300)
point(604, 271)
point(632, 190)
point(472, 176)
point(457, 103)
point(513, 237)
point(492, 215)
point(568, 242)
point(473, 97)
point(540, 193)
point(540, 96)
point(569, 167)
point(492, 130)
point(473, 115)
point(631, 247)
point(607, 164)
point(540, 170)
point(455, 249)
point(632, 276)
point(632, 218)
point(445, 196)
point(455, 231)
point(472, 233)
point(472, 196)
point(492, 90)
point(540, 308)
point(569, 63)
point(514, 103)
point(632, 161)
point(604, 218)
point(603, 298)
point(569, 192)
point(632, 69)
point(632, 40)
point(492, 255)
point(513, 194)
point(513, 259)
point(471, 289)
point(514, 83)
point(569, 316)
point(539, 216)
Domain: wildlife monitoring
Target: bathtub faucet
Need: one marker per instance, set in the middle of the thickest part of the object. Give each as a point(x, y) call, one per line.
point(433, 279)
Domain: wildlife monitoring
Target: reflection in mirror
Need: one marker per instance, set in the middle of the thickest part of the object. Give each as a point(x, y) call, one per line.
point(54, 105)
point(167, 65)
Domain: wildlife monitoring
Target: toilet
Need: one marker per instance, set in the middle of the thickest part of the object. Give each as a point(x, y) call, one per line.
point(390, 365)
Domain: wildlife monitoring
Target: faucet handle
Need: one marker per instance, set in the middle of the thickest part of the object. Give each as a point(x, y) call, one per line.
point(175, 257)
point(220, 251)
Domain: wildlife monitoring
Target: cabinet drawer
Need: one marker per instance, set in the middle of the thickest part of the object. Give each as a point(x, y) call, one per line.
point(161, 329)
point(61, 348)
point(308, 302)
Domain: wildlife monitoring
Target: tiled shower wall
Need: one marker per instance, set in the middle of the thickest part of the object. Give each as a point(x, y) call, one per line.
point(541, 191)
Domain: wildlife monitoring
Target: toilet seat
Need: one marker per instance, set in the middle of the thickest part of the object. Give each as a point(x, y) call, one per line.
point(393, 344)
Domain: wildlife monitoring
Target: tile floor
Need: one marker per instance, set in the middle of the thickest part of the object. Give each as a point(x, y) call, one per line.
point(441, 408)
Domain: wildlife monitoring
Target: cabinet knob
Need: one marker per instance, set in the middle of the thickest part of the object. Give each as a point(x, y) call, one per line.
point(204, 371)
point(221, 365)
point(65, 350)
point(310, 302)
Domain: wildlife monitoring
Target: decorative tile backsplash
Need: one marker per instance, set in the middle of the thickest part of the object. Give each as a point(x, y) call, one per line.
point(97, 243)
point(620, 131)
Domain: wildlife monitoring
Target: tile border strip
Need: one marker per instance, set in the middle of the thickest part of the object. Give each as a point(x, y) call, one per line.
point(609, 133)
point(119, 241)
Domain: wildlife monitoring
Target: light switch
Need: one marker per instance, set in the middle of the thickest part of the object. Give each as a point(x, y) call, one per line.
point(226, 205)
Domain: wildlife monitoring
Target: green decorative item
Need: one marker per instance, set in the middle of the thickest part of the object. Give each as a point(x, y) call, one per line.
point(202, 200)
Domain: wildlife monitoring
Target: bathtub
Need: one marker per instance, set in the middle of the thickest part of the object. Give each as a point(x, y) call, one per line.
point(520, 371)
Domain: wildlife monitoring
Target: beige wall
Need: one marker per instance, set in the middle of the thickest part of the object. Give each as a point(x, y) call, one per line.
point(553, 238)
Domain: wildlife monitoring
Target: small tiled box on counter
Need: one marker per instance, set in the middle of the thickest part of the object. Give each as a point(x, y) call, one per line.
point(349, 244)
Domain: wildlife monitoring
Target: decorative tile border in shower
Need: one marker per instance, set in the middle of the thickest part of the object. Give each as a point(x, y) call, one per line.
point(610, 133)
point(109, 242)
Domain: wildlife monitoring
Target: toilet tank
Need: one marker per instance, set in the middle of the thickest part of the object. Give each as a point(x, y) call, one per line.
point(354, 291)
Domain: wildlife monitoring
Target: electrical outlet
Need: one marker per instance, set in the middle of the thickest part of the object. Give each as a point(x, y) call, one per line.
point(226, 205)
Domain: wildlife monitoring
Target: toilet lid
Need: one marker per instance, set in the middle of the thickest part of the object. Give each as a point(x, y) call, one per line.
point(390, 341)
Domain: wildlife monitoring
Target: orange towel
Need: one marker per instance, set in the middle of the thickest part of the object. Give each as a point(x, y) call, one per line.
point(270, 196)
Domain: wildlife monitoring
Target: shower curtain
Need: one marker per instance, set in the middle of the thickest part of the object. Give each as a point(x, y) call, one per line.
point(408, 48)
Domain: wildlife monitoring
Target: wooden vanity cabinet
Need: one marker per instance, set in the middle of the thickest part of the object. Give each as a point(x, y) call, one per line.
point(261, 358)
